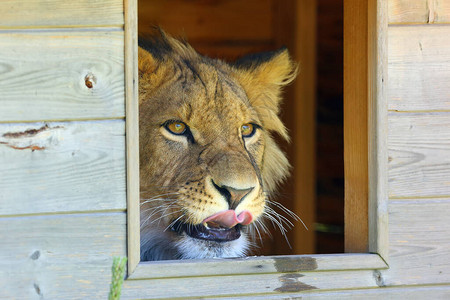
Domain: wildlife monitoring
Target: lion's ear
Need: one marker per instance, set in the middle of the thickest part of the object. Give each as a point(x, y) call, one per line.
point(146, 62)
point(263, 77)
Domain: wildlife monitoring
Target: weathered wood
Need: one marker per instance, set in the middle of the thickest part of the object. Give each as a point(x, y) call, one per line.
point(419, 154)
point(356, 95)
point(262, 284)
point(419, 11)
point(419, 68)
point(60, 13)
point(210, 21)
point(61, 75)
point(378, 128)
point(258, 265)
point(391, 293)
point(59, 256)
point(132, 134)
point(62, 167)
point(419, 241)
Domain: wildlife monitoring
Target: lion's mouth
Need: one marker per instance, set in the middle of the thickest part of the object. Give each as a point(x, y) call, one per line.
point(205, 232)
point(221, 227)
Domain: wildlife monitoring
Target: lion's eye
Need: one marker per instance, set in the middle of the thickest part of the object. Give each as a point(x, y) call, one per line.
point(177, 128)
point(247, 130)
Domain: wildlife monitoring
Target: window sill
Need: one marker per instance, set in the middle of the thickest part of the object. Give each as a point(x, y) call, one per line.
point(257, 265)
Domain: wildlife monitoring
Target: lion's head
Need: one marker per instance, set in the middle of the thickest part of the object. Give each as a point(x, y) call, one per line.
point(208, 160)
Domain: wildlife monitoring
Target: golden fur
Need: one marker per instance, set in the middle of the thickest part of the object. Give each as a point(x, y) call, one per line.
point(186, 178)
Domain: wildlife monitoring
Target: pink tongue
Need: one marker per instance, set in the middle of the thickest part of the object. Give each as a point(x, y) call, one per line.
point(229, 219)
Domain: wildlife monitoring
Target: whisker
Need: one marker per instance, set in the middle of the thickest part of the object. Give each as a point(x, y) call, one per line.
point(274, 220)
point(280, 226)
point(257, 230)
point(161, 205)
point(289, 212)
point(281, 218)
point(173, 222)
point(166, 215)
point(284, 209)
point(164, 212)
point(156, 210)
point(161, 197)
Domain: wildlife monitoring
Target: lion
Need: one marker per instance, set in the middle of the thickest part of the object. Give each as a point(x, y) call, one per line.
point(208, 159)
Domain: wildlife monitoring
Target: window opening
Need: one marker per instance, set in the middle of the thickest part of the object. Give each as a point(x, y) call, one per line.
point(326, 204)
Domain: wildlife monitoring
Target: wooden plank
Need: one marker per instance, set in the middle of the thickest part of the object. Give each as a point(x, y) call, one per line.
point(257, 265)
point(419, 68)
point(419, 154)
point(304, 129)
point(378, 128)
point(419, 11)
point(292, 29)
point(132, 134)
point(60, 13)
point(356, 95)
point(262, 284)
point(392, 293)
point(210, 21)
point(62, 167)
point(59, 256)
point(419, 242)
point(61, 75)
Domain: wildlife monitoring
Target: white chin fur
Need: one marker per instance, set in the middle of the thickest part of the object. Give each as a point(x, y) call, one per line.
point(190, 248)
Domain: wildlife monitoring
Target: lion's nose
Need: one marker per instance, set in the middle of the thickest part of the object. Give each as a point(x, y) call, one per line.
point(233, 196)
point(236, 195)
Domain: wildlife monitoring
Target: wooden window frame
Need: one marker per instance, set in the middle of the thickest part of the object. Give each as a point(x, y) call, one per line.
point(365, 158)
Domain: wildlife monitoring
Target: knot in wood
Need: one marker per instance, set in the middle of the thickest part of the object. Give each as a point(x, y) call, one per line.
point(90, 80)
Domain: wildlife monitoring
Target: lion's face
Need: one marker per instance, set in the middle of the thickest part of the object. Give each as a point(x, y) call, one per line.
point(207, 159)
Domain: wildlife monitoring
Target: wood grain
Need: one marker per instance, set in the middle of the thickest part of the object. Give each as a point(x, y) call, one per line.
point(258, 265)
point(419, 68)
point(391, 293)
point(210, 21)
point(61, 75)
point(292, 19)
point(132, 134)
point(261, 284)
point(356, 68)
point(59, 256)
point(419, 11)
point(304, 114)
point(419, 241)
point(60, 13)
point(419, 155)
point(378, 230)
point(62, 167)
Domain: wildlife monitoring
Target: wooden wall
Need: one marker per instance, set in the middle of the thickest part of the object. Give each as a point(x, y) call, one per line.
point(419, 142)
point(62, 147)
point(62, 156)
